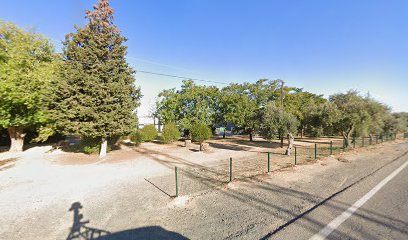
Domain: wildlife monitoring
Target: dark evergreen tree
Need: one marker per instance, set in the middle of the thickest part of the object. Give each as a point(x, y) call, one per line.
point(96, 96)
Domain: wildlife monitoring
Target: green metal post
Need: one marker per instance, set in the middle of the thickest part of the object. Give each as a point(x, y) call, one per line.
point(315, 151)
point(331, 147)
point(269, 162)
point(295, 155)
point(230, 176)
point(176, 173)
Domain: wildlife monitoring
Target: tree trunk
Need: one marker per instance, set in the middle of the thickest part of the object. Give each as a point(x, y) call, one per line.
point(250, 135)
point(346, 136)
point(281, 143)
point(302, 132)
point(104, 146)
point(291, 140)
point(223, 135)
point(16, 139)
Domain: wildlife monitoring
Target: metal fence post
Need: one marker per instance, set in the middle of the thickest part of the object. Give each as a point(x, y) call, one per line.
point(295, 155)
point(269, 162)
point(331, 147)
point(176, 173)
point(230, 173)
point(315, 157)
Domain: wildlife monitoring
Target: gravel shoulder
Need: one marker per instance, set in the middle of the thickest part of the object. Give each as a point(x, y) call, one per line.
point(37, 193)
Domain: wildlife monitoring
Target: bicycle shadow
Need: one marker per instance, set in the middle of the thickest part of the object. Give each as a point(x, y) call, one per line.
point(79, 230)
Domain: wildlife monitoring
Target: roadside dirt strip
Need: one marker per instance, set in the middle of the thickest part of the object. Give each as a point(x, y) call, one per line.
point(280, 205)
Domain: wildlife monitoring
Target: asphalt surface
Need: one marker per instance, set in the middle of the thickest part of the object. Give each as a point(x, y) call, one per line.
point(383, 216)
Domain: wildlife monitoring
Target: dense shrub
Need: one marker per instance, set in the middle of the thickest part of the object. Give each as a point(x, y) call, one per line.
point(91, 145)
point(149, 133)
point(200, 132)
point(136, 137)
point(170, 133)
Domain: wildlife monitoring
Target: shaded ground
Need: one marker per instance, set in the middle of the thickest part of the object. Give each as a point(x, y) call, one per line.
point(131, 191)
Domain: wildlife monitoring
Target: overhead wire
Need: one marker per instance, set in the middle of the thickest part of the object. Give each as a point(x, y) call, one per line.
point(181, 77)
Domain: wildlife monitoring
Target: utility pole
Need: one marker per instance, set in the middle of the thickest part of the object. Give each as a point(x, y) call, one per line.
point(282, 95)
point(282, 92)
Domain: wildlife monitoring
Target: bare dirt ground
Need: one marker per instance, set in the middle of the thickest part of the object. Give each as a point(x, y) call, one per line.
point(129, 195)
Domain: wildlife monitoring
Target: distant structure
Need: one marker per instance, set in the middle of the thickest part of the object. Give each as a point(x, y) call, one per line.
point(145, 120)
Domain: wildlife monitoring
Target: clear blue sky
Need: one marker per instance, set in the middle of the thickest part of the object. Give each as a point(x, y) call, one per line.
point(323, 46)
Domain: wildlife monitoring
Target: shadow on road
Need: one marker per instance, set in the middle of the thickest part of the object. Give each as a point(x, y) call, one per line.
point(80, 230)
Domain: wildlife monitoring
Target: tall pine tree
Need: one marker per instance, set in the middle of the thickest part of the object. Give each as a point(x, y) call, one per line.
point(96, 96)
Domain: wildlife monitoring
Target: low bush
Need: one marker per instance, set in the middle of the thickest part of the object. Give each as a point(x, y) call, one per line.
point(170, 133)
point(149, 133)
point(136, 137)
point(200, 132)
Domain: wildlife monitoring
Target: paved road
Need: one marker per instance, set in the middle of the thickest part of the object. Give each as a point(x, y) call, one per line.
point(384, 215)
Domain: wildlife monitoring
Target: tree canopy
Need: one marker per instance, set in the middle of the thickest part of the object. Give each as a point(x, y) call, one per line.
point(191, 104)
point(27, 65)
point(95, 95)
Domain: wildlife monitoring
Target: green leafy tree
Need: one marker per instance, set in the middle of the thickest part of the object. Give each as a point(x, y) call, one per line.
point(401, 121)
point(200, 132)
point(192, 103)
point(242, 104)
point(353, 114)
point(237, 107)
point(319, 118)
point(277, 123)
point(379, 120)
point(96, 96)
point(27, 65)
point(303, 105)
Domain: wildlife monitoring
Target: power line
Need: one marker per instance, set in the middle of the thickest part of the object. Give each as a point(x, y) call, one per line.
point(175, 76)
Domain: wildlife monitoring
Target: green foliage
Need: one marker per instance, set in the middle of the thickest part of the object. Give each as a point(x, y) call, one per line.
point(308, 108)
point(87, 146)
point(237, 106)
point(319, 118)
point(277, 123)
point(170, 133)
point(136, 137)
point(200, 132)
point(400, 121)
point(193, 103)
point(148, 132)
point(92, 149)
point(95, 93)
point(360, 116)
point(27, 65)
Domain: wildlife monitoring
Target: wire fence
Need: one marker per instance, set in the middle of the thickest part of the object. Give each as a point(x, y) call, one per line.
point(191, 179)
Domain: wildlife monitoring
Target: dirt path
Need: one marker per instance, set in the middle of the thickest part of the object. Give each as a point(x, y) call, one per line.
point(37, 193)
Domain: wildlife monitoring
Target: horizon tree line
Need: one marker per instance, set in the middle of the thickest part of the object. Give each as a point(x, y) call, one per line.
point(89, 90)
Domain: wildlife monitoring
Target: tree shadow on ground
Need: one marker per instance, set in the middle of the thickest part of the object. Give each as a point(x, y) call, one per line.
point(80, 230)
point(248, 146)
point(314, 201)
